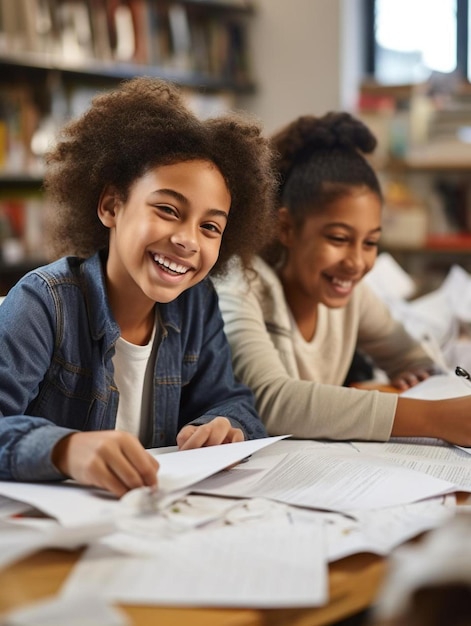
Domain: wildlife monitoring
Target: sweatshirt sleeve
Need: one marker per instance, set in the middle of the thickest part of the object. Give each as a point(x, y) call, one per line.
point(287, 405)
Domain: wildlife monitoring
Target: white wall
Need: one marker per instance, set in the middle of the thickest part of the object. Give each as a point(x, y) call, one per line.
point(305, 56)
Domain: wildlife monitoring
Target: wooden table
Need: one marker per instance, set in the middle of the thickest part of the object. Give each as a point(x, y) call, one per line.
point(354, 583)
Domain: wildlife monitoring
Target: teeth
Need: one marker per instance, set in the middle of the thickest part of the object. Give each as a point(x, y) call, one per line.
point(171, 265)
point(346, 284)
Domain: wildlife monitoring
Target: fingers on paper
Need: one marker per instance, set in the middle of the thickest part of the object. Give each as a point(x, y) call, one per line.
point(111, 460)
point(217, 431)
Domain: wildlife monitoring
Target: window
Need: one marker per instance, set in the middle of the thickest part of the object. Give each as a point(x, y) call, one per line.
point(409, 40)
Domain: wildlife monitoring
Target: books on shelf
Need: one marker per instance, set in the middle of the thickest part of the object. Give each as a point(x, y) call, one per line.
point(19, 117)
point(187, 36)
point(21, 229)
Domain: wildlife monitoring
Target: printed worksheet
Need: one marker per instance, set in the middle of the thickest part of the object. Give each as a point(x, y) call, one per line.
point(329, 479)
point(235, 565)
point(432, 457)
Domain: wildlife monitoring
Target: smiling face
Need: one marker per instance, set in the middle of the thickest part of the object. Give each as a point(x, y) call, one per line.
point(166, 237)
point(331, 252)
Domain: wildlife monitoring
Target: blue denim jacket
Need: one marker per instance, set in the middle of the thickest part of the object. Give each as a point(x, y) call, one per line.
point(57, 339)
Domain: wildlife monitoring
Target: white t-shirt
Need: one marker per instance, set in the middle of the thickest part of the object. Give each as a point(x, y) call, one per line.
point(133, 374)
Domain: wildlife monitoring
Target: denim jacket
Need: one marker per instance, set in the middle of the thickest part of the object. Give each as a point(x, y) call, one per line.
point(57, 339)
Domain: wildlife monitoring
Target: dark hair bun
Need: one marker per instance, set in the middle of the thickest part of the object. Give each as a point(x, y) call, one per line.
point(332, 131)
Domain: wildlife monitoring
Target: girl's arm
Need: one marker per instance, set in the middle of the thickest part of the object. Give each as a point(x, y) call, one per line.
point(27, 333)
point(448, 419)
point(287, 405)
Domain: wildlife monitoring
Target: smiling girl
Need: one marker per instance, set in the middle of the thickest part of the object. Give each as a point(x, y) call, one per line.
point(295, 324)
point(119, 345)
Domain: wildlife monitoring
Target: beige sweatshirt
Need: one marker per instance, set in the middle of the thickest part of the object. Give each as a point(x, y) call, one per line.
point(257, 324)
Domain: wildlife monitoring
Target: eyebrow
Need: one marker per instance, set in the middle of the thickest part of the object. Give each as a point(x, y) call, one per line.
point(348, 227)
point(184, 200)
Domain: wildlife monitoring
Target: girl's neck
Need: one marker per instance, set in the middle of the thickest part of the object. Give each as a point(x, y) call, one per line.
point(135, 317)
point(136, 331)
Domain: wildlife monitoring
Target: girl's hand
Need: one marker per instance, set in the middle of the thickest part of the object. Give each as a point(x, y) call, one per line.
point(405, 380)
point(219, 430)
point(109, 459)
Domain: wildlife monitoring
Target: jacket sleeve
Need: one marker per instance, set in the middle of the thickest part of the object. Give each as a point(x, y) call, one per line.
point(214, 391)
point(288, 405)
point(27, 331)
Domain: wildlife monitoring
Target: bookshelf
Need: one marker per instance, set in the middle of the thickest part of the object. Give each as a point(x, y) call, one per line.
point(55, 55)
point(424, 164)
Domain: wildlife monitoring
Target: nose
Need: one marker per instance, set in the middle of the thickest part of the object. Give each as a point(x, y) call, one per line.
point(185, 240)
point(355, 261)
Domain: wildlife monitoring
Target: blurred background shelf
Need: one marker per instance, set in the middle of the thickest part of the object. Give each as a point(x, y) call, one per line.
point(56, 55)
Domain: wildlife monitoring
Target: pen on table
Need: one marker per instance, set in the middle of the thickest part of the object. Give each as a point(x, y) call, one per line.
point(460, 371)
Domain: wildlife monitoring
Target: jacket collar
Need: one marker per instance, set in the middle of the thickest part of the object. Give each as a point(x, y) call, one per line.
point(100, 317)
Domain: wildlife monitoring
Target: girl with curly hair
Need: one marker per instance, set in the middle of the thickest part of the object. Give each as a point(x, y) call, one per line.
point(118, 345)
point(295, 324)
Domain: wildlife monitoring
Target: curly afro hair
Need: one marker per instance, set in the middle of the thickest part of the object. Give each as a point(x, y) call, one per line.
point(318, 160)
point(142, 124)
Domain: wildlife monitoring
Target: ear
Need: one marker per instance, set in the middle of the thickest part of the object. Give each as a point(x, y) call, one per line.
point(107, 206)
point(286, 230)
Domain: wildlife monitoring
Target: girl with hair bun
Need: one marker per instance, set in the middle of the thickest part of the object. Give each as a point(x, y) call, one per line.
point(295, 323)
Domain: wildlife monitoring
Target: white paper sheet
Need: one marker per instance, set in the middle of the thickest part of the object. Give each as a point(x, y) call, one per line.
point(440, 460)
point(184, 468)
point(9, 507)
point(389, 279)
point(433, 319)
point(235, 565)
point(330, 479)
point(439, 387)
point(68, 502)
point(18, 541)
point(73, 504)
point(16, 544)
point(384, 529)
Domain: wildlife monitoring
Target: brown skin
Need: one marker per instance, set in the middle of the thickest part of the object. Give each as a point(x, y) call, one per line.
point(447, 419)
point(108, 459)
point(214, 433)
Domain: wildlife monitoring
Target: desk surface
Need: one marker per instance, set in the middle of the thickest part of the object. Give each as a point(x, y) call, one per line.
point(354, 583)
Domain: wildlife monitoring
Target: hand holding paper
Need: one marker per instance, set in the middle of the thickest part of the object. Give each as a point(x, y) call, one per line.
point(109, 459)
